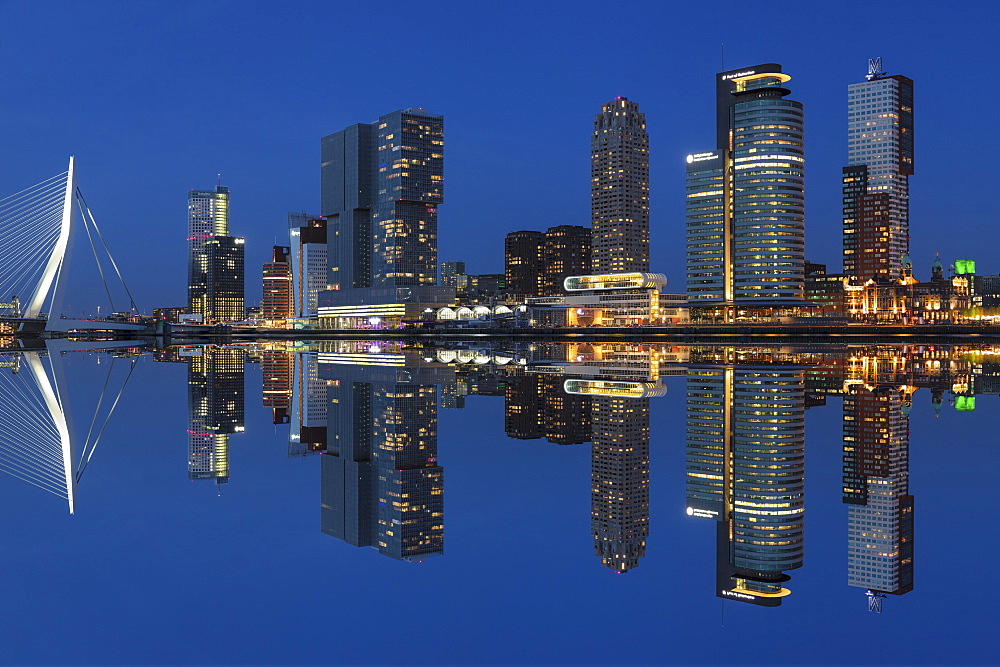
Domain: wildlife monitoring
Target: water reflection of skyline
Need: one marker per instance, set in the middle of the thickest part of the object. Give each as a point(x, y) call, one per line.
point(369, 412)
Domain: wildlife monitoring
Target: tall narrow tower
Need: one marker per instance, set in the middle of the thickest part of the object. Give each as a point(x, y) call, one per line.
point(745, 199)
point(619, 189)
point(876, 180)
point(208, 217)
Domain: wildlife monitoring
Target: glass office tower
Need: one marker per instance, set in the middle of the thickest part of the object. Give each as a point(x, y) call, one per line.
point(745, 199)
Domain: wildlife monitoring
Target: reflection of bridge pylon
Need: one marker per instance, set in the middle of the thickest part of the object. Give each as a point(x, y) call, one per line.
point(37, 230)
point(38, 443)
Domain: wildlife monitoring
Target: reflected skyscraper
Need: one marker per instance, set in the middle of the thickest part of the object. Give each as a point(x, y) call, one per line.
point(215, 406)
point(309, 407)
point(619, 480)
point(381, 483)
point(745, 470)
point(876, 489)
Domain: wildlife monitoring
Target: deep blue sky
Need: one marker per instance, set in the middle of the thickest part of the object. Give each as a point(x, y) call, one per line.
point(157, 98)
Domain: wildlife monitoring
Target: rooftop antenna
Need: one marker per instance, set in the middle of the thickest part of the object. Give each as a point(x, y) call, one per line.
point(220, 180)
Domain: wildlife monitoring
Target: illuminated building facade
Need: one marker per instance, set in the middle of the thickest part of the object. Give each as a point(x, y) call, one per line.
point(537, 263)
point(276, 296)
point(215, 410)
point(381, 186)
point(208, 217)
point(619, 189)
point(451, 273)
point(224, 275)
point(523, 262)
point(536, 406)
point(381, 483)
point(745, 470)
point(876, 180)
point(876, 489)
point(745, 217)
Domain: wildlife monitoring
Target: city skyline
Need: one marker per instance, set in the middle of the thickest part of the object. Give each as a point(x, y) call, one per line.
point(276, 173)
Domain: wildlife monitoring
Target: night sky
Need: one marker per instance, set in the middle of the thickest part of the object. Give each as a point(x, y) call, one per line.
point(157, 98)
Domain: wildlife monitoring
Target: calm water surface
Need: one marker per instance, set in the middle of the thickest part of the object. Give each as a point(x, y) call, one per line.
point(369, 503)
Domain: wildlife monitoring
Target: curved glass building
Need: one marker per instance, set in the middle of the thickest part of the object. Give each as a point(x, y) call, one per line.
point(745, 200)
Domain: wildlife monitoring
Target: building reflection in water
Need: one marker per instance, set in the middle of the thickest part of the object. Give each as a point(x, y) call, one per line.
point(745, 471)
point(382, 485)
point(215, 408)
point(371, 409)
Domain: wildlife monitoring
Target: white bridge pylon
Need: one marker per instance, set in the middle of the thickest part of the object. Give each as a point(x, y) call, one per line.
point(38, 226)
point(39, 443)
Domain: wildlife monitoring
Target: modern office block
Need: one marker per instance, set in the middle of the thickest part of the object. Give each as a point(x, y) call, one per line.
point(876, 181)
point(208, 217)
point(381, 186)
point(745, 198)
point(619, 189)
point(224, 275)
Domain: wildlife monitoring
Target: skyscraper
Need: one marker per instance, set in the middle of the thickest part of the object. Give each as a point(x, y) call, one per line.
point(208, 217)
point(381, 185)
point(619, 189)
point(309, 257)
point(745, 215)
point(876, 180)
point(224, 275)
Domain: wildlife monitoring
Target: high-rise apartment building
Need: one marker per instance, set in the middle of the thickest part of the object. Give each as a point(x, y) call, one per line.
point(876, 489)
point(745, 215)
point(276, 296)
point(224, 275)
point(567, 252)
point(619, 188)
point(208, 217)
point(745, 470)
point(523, 262)
point(876, 180)
point(537, 263)
point(309, 257)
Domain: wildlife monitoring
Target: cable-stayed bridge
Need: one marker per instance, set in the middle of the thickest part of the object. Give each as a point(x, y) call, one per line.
point(40, 443)
point(38, 227)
